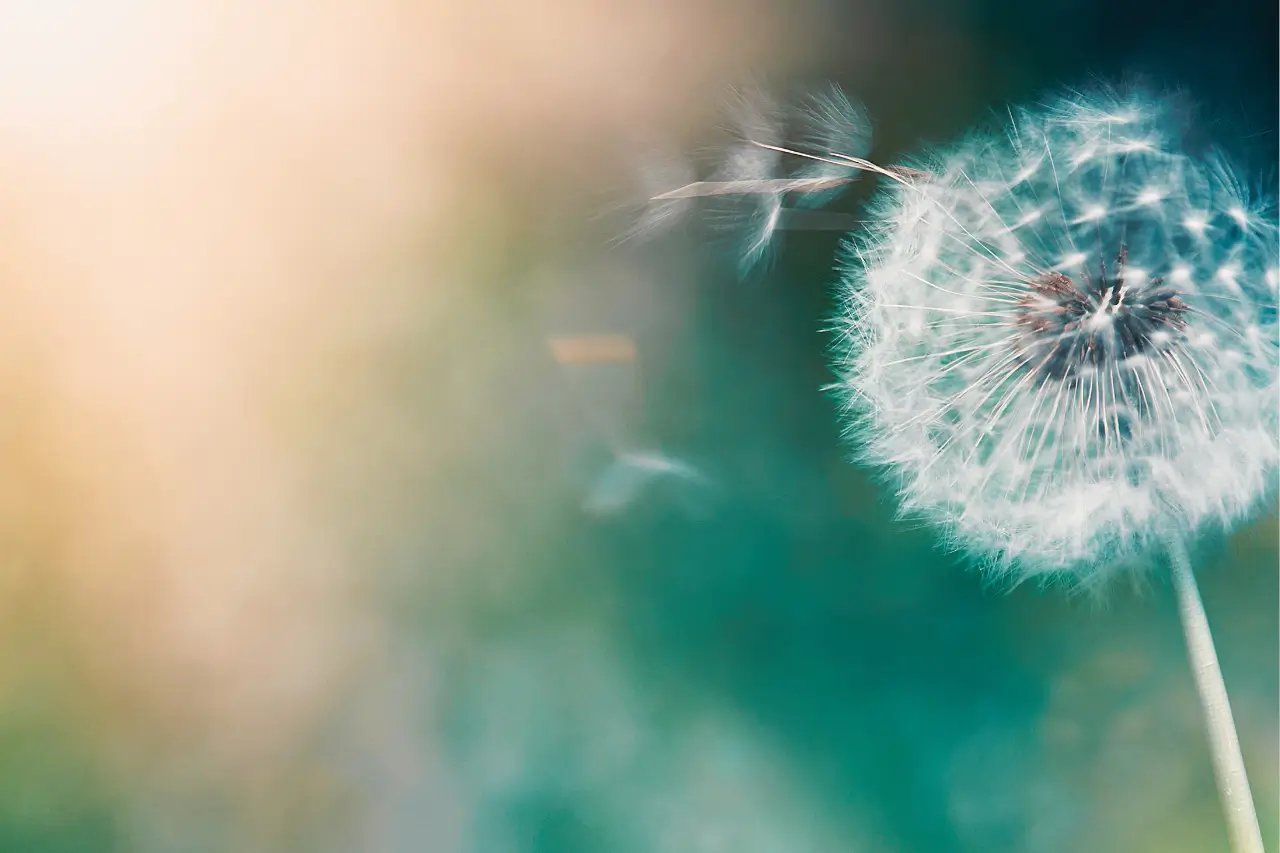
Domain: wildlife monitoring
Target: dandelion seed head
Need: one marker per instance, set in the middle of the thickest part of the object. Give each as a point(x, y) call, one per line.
point(1063, 344)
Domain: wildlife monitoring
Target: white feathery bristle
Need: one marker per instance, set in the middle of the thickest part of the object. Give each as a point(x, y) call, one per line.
point(657, 174)
point(750, 219)
point(831, 126)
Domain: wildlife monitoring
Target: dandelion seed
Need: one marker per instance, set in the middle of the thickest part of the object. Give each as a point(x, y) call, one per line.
point(658, 209)
point(629, 474)
point(751, 219)
point(754, 195)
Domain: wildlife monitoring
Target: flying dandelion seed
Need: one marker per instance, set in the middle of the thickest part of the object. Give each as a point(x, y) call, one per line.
point(750, 198)
point(750, 219)
point(1061, 345)
point(631, 473)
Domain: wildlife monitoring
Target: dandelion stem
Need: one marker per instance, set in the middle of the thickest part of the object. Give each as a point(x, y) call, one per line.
point(1224, 743)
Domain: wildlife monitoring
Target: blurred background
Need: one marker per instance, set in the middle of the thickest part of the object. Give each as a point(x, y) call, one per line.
point(318, 348)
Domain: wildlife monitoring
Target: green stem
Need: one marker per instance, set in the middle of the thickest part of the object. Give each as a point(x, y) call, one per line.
point(1224, 743)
